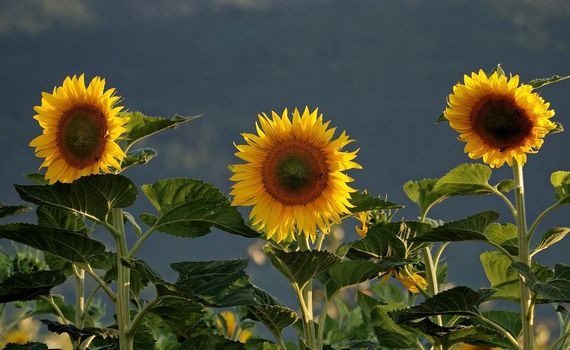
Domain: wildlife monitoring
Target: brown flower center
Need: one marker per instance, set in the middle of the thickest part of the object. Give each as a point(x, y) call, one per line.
point(501, 123)
point(81, 135)
point(295, 173)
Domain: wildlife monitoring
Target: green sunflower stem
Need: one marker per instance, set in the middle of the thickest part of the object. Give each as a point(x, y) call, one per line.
point(123, 282)
point(79, 297)
point(527, 309)
point(306, 300)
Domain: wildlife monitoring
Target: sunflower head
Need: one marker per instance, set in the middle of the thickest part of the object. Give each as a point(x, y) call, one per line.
point(81, 126)
point(230, 325)
point(498, 119)
point(294, 174)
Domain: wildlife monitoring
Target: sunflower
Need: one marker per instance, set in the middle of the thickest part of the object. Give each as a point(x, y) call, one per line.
point(498, 119)
point(80, 129)
point(229, 324)
point(294, 176)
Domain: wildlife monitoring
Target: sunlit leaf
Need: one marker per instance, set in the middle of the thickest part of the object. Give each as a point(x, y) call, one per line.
point(137, 157)
point(9, 210)
point(506, 185)
point(460, 301)
point(421, 192)
point(561, 182)
point(189, 208)
point(93, 195)
point(550, 237)
point(538, 83)
point(362, 201)
point(301, 266)
point(28, 286)
point(466, 179)
point(141, 126)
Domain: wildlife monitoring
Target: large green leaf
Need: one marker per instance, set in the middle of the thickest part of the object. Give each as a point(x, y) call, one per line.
point(141, 274)
point(59, 218)
point(216, 283)
point(71, 246)
point(178, 313)
point(550, 237)
point(460, 301)
point(560, 180)
point(27, 286)
point(509, 320)
point(537, 83)
point(503, 278)
point(421, 192)
point(93, 196)
point(348, 273)
point(141, 126)
point(138, 156)
point(466, 179)
point(362, 201)
point(8, 210)
point(274, 317)
point(205, 341)
point(80, 333)
point(555, 289)
point(27, 346)
point(43, 307)
point(389, 333)
point(301, 266)
point(189, 208)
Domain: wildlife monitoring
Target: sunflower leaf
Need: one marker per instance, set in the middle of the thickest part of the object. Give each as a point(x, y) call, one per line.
point(301, 266)
point(178, 313)
point(421, 192)
point(93, 196)
point(461, 301)
point(138, 156)
point(274, 317)
point(27, 346)
point(551, 237)
point(558, 129)
point(389, 333)
point(506, 185)
point(499, 70)
point(141, 126)
point(189, 208)
point(464, 180)
point(28, 286)
point(560, 180)
point(538, 83)
point(37, 178)
point(9, 210)
point(442, 118)
point(76, 333)
point(362, 201)
point(555, 289)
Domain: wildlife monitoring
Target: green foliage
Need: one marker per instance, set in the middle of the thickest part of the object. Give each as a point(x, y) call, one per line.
point(141, 126)
point(208, 341)
point(510, 321)
point(550, 237)
point(179, 314)
point(138, 157)
point(388, 332)
point(555, 289)
point(93, 196)
point(28, 286)
point(189, 208)
point(464, 180)
point(561, 182)
point(538, 83)
point(421, 192)
point(559, 127)
point(27, 346)
point(301, 266)
point(80, 333)
point(362, 201)
point(274, 317)
point(9, 210)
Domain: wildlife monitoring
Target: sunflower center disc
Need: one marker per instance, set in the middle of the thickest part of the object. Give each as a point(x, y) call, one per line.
point(501, 123)
point(81, 136)
point(295, 173)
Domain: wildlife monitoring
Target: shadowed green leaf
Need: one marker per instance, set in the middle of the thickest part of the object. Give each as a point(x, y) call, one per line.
point(27, 286)
point(27, 346)
point(442, 118)
point(511, 321)
point(59, 218)
point(557, 288)
point(466, 179)
point(388, 332)
point(93, 196)
point(550, 237)
point(82, 333)
point(560, 180)
point(178, 313)
point(364, 202)
point(42, 307)
point(461, 301)
point(301, 266)
point(503, 278)
point(421, 192)
point(538, 83)
point(137, 157)
point(141, 126)
point(205, 341)
point(274, 317)
point(141, 274)
point(189, 208)
point(506, 186)
point(37, 178)
point(9, 210)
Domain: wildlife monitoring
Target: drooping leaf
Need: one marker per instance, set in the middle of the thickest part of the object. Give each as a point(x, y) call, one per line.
point(538, 83)
point(550, 237)
point(189, 208)
point(274, 317)
point(128, 217)
point(503, 278)
point(421, 192)
point(141, 126)
point(506, 185)
point(557, 288)
point(460, 301)
point(83, 333)
point(9, 210)
point(348, 273)
point(301, 266)
point(27, 346)
point(137, 157)
point(28, 286)
point(217, 283)
point(362, 201)
point(93, 196)
point(560, 180)
point(464, 180)
point(71, 246)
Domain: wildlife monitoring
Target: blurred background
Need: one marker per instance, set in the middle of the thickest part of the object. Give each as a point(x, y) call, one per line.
point(380, 69)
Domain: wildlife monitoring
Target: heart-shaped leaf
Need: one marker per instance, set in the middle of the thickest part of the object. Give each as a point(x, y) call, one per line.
point(466, 179)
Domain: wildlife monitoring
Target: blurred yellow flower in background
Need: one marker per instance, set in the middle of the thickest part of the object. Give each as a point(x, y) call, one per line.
point(229, 325)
